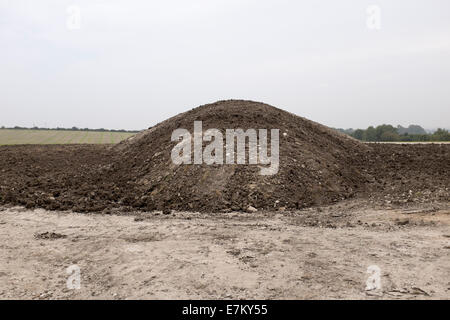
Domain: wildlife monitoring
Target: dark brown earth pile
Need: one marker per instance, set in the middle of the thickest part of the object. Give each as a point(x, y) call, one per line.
point(404, 173)
point(317, 166)
point(56, 177)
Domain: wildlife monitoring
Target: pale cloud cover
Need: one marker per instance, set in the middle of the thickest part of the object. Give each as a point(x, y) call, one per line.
point(134, 63)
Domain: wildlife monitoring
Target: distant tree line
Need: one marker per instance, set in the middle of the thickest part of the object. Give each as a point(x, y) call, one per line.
point(387, 132)
point(71, 129)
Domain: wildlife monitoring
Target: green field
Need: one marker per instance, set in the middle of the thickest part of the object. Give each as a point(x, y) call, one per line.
point(19, 136)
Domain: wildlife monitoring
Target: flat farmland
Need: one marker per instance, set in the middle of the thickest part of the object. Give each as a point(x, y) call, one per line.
point(29, 136)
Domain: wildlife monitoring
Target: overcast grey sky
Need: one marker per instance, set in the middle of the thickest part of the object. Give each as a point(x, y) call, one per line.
point(133, 63)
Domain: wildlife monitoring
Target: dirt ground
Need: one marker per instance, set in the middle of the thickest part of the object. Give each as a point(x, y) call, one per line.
point(82, 178)
point(317, 166)
point(316, 253)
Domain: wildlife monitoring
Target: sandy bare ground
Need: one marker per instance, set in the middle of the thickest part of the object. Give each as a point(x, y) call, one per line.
point(309, 254)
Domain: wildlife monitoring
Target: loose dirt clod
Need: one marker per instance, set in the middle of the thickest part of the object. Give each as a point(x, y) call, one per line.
point(49, 236)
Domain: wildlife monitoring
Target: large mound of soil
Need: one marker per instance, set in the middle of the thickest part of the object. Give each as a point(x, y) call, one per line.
point(316, 163)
